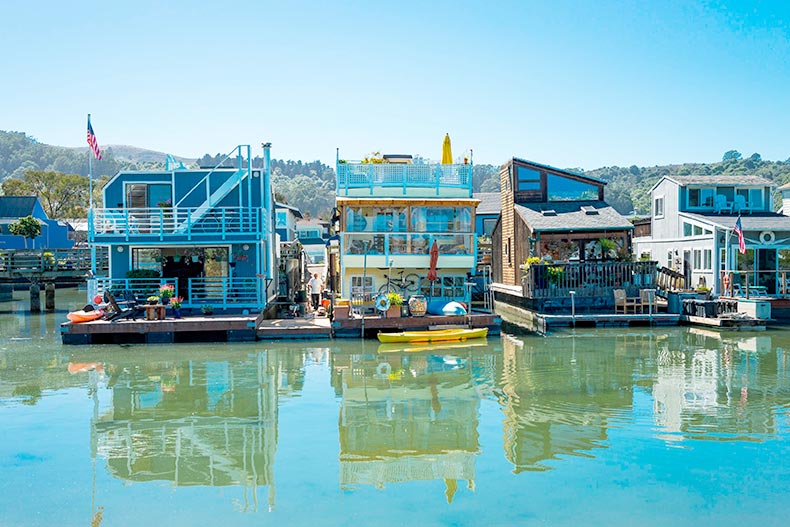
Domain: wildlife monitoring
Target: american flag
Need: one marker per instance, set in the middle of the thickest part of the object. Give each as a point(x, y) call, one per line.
point(92, 142)
point(739, 231)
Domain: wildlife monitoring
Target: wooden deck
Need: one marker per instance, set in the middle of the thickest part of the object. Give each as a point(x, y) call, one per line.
point(241, 328)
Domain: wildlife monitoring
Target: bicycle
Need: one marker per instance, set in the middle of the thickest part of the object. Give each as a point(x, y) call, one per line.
point(407, 284)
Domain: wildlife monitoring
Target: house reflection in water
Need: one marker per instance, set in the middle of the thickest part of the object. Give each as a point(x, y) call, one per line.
point(559, 402)
point(731, 383)
point(196, 422)
point(409, 416)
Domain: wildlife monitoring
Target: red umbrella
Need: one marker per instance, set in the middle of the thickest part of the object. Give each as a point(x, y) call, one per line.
point(434, 259)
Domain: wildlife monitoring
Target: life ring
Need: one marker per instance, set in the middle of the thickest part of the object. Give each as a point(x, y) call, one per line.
point(383, 369)
point(725, 281)
point(382, 302)
point(767, 237)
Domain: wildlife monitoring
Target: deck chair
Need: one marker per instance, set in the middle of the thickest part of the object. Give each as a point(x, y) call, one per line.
point(739, 205)
point(116, 312)
point(623, 302)
point(720, 204)
point(647, 301)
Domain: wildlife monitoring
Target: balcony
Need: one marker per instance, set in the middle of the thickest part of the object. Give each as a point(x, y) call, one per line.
point(400, 180)
point(586, 279)
point(410, 249)
point(175, 223)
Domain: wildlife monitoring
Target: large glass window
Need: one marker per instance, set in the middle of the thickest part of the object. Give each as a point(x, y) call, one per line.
point(753, 197)
point(701, 197)
point(528, 179)
point(148, 195)
point(658, 207)
point(376, 219)
point(564, 189)
point(441, 219)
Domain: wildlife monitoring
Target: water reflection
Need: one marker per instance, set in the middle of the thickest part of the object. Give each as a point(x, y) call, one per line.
point(191, 420)
point(410, 413)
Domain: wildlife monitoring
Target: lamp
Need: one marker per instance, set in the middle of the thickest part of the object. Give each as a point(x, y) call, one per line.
point(119, 248)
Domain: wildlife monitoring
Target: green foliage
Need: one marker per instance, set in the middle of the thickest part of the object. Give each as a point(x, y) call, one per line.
point(532, 260)
point(554, 274)
point(61, 195)
point(207, 309)
point(28, 227)
point(731, 154)
point(395, 298)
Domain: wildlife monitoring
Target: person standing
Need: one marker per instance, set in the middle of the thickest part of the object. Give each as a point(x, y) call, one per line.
point(315, 286)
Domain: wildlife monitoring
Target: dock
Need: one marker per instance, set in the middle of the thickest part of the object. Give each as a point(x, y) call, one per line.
point(250, 328)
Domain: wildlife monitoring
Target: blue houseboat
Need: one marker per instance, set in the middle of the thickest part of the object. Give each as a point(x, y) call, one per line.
point(207, 232)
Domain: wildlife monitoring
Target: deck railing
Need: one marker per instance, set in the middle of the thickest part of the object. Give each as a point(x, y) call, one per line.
point(71, 262)
point(372, 175)
point(219, 291)
point(176, 221)
point(405, 243)
point(591, 278)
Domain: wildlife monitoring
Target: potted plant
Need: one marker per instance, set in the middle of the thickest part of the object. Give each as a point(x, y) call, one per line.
point(153, 300)
point(554, 275)
point(207, 310)
point(166, 292)
point(176, 303)
point(396, 301)
point(608, 247)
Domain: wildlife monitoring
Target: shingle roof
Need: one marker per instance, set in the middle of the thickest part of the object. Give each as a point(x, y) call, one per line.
point(759, 221)
point(17, 206)
point(490, 202)
point(571, 217)
point(742, 180)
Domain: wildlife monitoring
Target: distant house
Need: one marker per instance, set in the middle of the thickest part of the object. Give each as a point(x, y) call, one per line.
point(55, 234)
point(487, 212)
point(285, 221)
point(313, 234)
point(692, 226)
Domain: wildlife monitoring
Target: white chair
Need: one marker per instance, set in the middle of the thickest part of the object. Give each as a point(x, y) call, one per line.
point(721, 204)
point(739, 205)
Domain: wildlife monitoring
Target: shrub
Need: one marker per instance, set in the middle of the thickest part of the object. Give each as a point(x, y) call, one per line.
point(395, 298)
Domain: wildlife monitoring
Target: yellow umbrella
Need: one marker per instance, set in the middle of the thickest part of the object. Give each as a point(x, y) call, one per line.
point(447, 151)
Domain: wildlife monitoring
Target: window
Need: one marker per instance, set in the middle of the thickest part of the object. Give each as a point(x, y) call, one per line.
point(146, 259)
point(488, 226)
point(441, 219)
point(565, 189)
point(362, 284)
point(687, 229)
point(697, 259)
point(528, 179)
point(658, 207)
point(445, 287)
point(147, 196)
point(753, 197)
point(707, 257)
point(669, 259)
point(701, 197)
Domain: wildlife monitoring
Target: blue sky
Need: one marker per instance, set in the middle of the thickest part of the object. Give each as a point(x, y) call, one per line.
point(566, 83)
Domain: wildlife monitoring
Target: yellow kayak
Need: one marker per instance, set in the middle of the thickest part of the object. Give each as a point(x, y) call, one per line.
point(442, 335)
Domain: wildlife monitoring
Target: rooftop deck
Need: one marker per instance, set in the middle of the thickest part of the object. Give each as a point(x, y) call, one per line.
point(399, 180)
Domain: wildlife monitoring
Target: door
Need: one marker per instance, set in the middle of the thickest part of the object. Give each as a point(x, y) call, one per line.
point(687, 268)
point(766, 265)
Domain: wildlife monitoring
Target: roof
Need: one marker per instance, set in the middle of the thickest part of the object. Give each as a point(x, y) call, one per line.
point(295, 210)
point(572, 216)
point(490, 202)
point(737, 181)
point(17, 206)
point(312, 241)
point(758, 221)
point(312, 222)
point(566, 172)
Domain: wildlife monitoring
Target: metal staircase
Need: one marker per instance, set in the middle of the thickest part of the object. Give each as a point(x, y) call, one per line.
point(213, 198)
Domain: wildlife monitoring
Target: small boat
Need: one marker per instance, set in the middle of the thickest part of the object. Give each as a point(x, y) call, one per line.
point(442, 335)
point(84, 316)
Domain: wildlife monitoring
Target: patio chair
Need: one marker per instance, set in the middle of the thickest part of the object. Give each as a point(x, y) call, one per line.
point(739, 205)
point(720, 204)
point(623, 302)
point(116, 312)
point(647, 301)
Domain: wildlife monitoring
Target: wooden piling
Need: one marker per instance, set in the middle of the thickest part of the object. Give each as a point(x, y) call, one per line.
point(35, 298)
point(49, 298)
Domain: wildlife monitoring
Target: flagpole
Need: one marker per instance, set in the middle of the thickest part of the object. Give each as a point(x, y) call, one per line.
point(90, 209)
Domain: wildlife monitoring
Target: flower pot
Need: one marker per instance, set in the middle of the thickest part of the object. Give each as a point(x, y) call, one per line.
point(165, 300)
point(176, 312)
point(418, 305)
point(393, 312)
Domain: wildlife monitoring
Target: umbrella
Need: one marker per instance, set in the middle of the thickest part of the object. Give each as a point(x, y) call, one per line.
point(447, 151)
point(434, 260)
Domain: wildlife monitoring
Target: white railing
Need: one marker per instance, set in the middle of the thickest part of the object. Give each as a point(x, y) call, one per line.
point(122, 288)
point(178, 221)
point(360, 175)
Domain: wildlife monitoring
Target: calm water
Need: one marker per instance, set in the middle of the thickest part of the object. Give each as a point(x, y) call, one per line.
point(609, 427)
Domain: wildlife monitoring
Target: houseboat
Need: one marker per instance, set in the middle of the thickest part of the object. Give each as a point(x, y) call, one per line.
point(208, 232)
